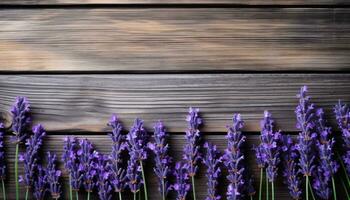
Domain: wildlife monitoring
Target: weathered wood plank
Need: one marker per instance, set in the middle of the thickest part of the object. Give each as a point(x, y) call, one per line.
point(85, 102)
point(102, 144)
point(256, 39)
point(226, 2)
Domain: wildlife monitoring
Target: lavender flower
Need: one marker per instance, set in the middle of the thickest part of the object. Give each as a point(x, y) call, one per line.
point(342, 112)
point(321, 184)
point(2, 153)
point(71, 163)
point(291, 173)
point(212, 160)
point(53, 176)
point(305, 123)
point(181, 186)
point(250, 188)
point(233, 158)
point(40, 183)
point(117, 175)
point(30, 157)
point(270, 140)
point(137, 146)
point(162, 159)
point(191, 150)
point(20, 119)
point(103, 178)
point(87, 158)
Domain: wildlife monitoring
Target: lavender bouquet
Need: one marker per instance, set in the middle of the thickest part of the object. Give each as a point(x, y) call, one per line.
point(212, 161)
point(305, 113)
point(30, 158)
point(117, 173)
point(20, 122)
point(191, 149)
point(137, 146)
point(162, 160)
point(2, 160)
point(72, 165)
point(233, 158)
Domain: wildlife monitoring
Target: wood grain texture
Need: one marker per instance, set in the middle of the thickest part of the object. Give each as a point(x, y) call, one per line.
point(102, 144)
point(85, 102)
point(256, 39)
point(196, 2)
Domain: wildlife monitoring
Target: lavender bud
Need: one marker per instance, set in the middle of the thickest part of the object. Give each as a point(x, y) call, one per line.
point(20, 119)
point(181, 186)
point(53, 176)
point(87, 158)
point(40, 184)
point(103, 178)
point(2, 153)
point(212, 160)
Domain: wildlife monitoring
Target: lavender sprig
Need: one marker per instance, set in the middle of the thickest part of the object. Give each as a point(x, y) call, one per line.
point(291, 173)
point(191, 149)
point(40, 183)
point(30, 158)
point(71, 163)
point(117, 173)
point(305, 113)
point(53, 176)
point(321, 184)
point(212, 161)
point(87, 156)
point(181, 186)
point(2, 160)
point(162, 160)
point(261, 161)
point(328, 166)
point(137, 146)
point(20, 122)
point(233, 158)
point(103, 178)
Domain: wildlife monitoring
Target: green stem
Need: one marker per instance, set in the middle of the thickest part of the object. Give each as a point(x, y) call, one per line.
point(345, 189)
point(144, 181)
point(251, 197)
point(120, 195)
point(70, 188)
point(163, 189)
point(27, 191)
point(311, 191)
point(16, 172)
point(193, 189)
point(77, 195)
point(134, 195)
point(3, 189)
point(334, 190)
point(267, 186)
point(261, 179)
point(307, 188)
point(273, 190)
point(88, 196)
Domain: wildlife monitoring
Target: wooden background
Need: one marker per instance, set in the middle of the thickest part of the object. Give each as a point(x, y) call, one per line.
point(79, 61)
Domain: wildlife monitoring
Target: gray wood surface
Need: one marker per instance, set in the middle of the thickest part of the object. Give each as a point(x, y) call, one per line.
point(85, 102)
point(161, 39)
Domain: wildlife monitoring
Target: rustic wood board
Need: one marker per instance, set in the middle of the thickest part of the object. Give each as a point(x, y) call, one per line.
point(102, 144)
point(190, 2)
point(85, 102)
point(189, 39)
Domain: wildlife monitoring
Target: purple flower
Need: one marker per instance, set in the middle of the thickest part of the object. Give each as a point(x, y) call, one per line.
point(162, 160)
point(270, 148)
point(53, 176)
point(87, 157)
point(103, 178)
point(305, 113)
point(291, 173)
point(342, 112)
point(117, 173)
point(191, 150)
point(71, 162)
point(137, 143)
point(321, 184)
point(181, 186)
point(212, 160)
point(20, 119)
point(2, 153)
point(40, 183)
point(30, 158)
point(233, 158)
point(260, 156)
